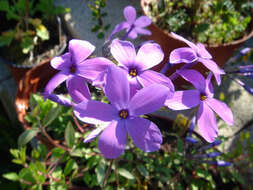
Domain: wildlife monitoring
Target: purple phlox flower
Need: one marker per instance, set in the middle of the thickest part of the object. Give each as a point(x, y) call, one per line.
point(195, 53)
point(208, 146)
point(202, 96)
point(60, 99)
point(136, 66)
point(76, 69)
point(132, 25)
point(207, 155)
point(122, 115)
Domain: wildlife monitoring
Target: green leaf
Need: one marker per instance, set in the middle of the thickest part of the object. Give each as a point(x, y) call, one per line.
point(11, 176)
point(143, 170)
point(42, 32)
point(27, 45)
point(70, 135)
point(26, 136)
point(123, 172)
point(69, 167)
point(100, 35)
point(51, 116)
point(100, 171)
point(57, 152)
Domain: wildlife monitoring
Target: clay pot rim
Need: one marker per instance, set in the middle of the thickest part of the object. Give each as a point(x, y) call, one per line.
point(235, 42)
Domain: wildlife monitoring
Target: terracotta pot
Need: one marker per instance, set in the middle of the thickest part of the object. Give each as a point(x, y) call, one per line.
point(33, 80)
point(18, 70)
point(221, 53)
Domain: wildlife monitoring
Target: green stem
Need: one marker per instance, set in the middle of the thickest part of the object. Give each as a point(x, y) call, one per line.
point(108, 171)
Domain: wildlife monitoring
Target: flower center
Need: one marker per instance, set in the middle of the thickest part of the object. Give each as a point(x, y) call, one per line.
point(133, 72)
point(72, 69)
point(123, 114)
point(203, 97)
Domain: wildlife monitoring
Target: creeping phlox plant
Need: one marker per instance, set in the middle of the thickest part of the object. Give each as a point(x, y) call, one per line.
point(133, 89)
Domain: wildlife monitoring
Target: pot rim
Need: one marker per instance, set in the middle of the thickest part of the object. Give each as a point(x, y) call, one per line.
point(232, 43)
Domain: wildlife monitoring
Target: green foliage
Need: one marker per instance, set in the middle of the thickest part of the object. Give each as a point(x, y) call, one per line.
point(173, 167)
point(29, 30)
point(96, 9)
point(211, 21)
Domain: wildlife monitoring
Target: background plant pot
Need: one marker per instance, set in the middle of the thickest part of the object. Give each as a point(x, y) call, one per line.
point(221, 53)
point(33, 80)
point(49, 49)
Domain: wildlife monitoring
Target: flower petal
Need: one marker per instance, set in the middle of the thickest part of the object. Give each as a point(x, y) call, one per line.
point(60, 99)
point(221, 109)
point(61, 62)
point(193, 77)
point(142, 21)
point(142, 31)
point(117, 87)
point(207, 123)
point(123, 52)
point(192, 45)
point(92, 68)
point(121, 26)
point(149, 55)
point(150, 77)
point(183, 55)
point(182, 100)
point(80, 50)
point(211, 65)
point(130, 14)
point(112, 141)
point(146, 101)
point(209, 86)
point(203, 52)
point(133, 34)
point(145, 134)
point(78, 89)
point(56, 81)
point(93, 134)
point(95, 112)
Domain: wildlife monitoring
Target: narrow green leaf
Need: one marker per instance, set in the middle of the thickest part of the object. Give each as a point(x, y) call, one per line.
point(123, 172)
point(26, 136)
point(11, 176)
point(70, 135)
point(69, 167)
point(142, 170)
point(51, 116)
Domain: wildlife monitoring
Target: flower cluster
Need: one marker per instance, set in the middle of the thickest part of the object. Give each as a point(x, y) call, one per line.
point(133, 89)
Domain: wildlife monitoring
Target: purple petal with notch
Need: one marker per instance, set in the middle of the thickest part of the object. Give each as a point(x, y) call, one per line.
point(183, 55)
point(80, 50)
point(117, 87)
point(146, 101)
point(95, 112)
point(112, 141)
point(143, 21)
point(221, 109)
point(92, 68)
point(123, 52)
point(149, 55)
point(62, 62)
point(193, 77)
point(119, 27)
point(183, 100)
point(150, 77)
point(130, 14)
point(142, 31)
point(207, 123)
point(145, 134)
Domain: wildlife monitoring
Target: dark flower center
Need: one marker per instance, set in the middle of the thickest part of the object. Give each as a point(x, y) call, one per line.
point(72, 69)
point(133, 72)
point(203, 96)
point(123, 114)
